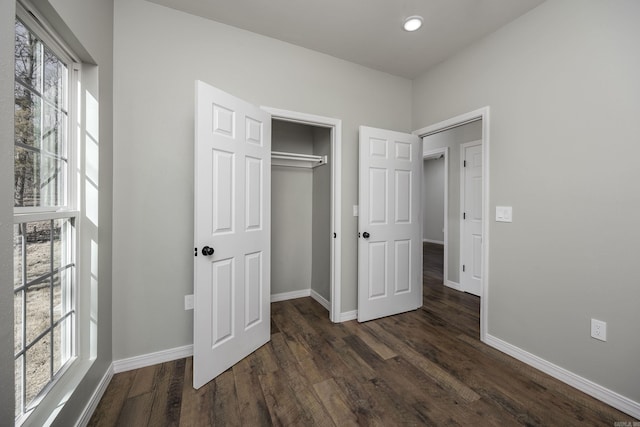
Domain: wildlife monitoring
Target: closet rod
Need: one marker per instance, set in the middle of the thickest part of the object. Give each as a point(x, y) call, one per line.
point(295, 156)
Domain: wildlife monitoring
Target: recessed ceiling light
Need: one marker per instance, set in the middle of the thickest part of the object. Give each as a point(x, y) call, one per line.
point(413, 23)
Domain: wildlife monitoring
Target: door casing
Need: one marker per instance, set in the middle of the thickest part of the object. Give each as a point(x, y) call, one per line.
point(335, 125)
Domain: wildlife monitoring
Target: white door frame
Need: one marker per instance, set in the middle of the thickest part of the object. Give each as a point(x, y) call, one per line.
point(479, 114)
point(335, 125)
point(429, 154)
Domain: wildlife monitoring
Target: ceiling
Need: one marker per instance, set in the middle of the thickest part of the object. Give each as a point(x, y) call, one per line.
point(367, 32)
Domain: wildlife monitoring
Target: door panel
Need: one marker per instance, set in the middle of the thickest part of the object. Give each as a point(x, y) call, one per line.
point(390, 254)
point(232, 204)
point(471, 233)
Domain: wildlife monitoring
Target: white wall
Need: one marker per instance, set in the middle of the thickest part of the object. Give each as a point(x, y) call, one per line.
point(433, 200)
point(453, 138)
point(562, 84)
point(159, 53)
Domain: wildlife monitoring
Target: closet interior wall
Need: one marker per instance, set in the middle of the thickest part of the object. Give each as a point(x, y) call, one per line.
point(301, 212)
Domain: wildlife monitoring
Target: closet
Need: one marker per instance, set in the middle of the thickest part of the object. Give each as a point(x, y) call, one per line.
point(300, 211)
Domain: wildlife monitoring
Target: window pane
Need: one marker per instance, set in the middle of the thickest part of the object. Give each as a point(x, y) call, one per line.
point(38, 360)
point(37, 235)
point(27, 111)
point(18, 387)
point(26, 178)
point(38, 312)
point(18, 305)
point(28, 57)
point(53, 125)
point(62, 343)
point(55, 77)
point(17, 256)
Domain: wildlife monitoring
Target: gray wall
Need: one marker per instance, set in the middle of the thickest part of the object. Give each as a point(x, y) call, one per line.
point(159, 53)
point(562, 83)
point(291, 207)
point(87, 27)
point(433, 200)
point(452, 138)
point(7, 37)
point(321, 216)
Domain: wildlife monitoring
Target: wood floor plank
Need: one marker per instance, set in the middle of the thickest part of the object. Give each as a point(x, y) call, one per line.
point(334, 401)
point(167, 394)
point(108, 411)
point(251, 402)
point(143, 381)
point(226, 410)
point(195, 407)
point(376, 345)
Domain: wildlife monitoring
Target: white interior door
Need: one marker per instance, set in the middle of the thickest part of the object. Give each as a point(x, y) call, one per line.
point(390, 223)
point(232, 231)
point(471, 233)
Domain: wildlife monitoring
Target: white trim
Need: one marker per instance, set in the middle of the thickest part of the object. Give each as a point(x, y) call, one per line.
point(463, 189)
point(453, 285)
point(284, 296)
point(144, 360)
point(601, 393)
point(92, 404)
point(437, 242)
point(348, 315)
point(484, 115)
point(336, 194)
point(320, 299)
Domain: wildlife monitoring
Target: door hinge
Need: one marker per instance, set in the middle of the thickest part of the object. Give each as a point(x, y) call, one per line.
point(463, 268)
point(464, 163)
point(196, 251)
point(335, 235)
point(464, 215)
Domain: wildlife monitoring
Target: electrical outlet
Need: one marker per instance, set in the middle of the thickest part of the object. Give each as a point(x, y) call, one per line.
point(599, 329)
point(188, 302)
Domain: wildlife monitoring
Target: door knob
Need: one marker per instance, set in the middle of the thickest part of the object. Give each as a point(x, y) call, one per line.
point(206, 251)
point(365, 235)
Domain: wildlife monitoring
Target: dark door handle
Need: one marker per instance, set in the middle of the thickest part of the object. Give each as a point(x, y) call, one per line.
point(366, 235)
point(206, 251)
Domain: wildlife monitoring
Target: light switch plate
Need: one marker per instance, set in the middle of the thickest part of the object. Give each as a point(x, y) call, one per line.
point(504, 214)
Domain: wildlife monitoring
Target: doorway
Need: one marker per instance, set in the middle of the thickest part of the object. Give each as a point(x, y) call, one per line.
point(435, 207)
point(314, 164)
point(475, 125)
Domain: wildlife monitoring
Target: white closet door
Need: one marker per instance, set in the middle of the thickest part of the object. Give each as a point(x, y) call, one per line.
point(390, 243)
point(232, 231)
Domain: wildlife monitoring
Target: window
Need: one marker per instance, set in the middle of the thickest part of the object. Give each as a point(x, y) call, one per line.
point(45, 218)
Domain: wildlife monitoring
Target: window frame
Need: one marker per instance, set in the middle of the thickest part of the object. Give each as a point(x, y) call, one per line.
point(70, 209)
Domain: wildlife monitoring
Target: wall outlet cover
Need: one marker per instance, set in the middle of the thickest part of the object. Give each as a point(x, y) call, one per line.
point(188, 302)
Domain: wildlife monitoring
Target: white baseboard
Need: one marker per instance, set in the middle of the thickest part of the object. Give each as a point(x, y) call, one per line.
point(348, 315)
point(437, 242)
point(607, 396)
point(92, 404)
point(322, 300)
point(453, 285)
point(290, 295)
point(145, 360)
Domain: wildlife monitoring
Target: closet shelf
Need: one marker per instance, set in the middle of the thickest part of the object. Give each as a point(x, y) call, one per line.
point(295, 160)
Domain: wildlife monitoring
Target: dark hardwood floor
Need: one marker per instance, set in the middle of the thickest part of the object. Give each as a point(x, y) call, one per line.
point(426, 367)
